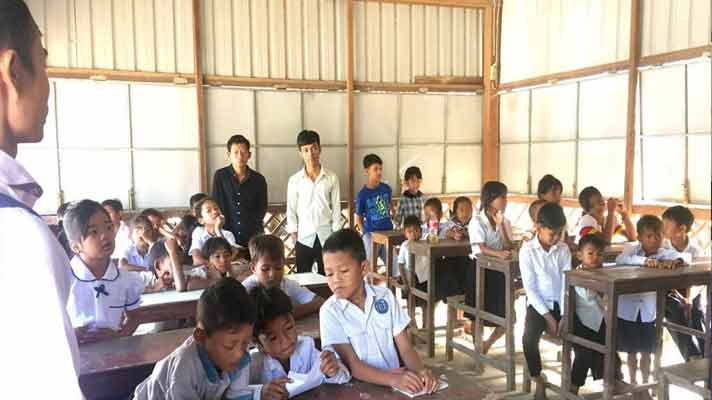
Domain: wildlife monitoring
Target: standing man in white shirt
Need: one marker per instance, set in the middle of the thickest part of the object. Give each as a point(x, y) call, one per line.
point(313, 204)
point(28, 250)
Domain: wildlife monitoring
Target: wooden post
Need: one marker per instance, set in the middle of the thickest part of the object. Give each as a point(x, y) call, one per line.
point(350, 107)
point(633, 61)
point(490, 101)
point(198, 72)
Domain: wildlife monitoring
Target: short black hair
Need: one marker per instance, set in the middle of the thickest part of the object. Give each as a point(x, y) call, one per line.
point(371, 159)
point(196, 198)
point(270, 303)
point(152, 212)
point(595, 239)
point(62, 209)
point(141, 221)
point(76, 220)
point(212, 245)
point(114, 204)
point(348, 241)
point(648, 221)
point(680, 215)
point(459, 200)
point(551, 216)
point(237, 139)
point(17, 30)
point(534, 207)
point(547, 183)
point(198, 206)
point(266, 245)
point(157, 253)
point(435, 203)
point(412, 221)
point(412, 172)
point(491, 190)
point(224, 305)
point(585, 197)
point(307, 137)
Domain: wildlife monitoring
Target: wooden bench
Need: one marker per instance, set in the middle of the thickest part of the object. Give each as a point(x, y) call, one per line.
point(685, 375)
point(114, 367)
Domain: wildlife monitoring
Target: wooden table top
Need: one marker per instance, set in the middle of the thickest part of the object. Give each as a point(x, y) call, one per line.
point(393, 236)
point(308, 326)
point(308, 279)
point(635, 279)
point(444, 247)
point(169, 297)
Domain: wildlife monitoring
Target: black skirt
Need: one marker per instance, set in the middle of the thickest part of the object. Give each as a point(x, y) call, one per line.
point(495, 296)
point(636, 337)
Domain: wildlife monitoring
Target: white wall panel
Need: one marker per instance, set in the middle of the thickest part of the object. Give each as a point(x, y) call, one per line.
point(279, 117)
point(84, 174)
point(325, 113)
point(557, 159)
point(159, 167)
point(164, 116)
point(699, 164)
point(422, 119)
point(554, 113)
point(430, 160)
point(514, 117)
point(663, 177)
point(229, 112)
point(514, 166)
point(464, 119)
point(670, 25)
point(375, 119)
point(699, 97)
point(603, 105)
point(463, 168)
point(600, 163)
point(277, 173)
point(663, 100)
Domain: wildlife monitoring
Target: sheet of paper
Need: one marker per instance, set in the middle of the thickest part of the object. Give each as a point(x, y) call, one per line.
point(304, 382)
point(443, 385)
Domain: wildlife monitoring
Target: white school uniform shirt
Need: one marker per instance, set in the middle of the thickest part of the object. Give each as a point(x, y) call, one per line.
point(100, 303)
point(298, 293)
point(133, 257)
point(588, 308)
point(313, 207)
point(404, 258)
point(123, 241)
point(481, 231)
point(584, 222)
point(201, 235)
point(188, 373)
point(690, 252)
point(543, 274)
point(629, 305)
point(264, 369)
point(422, 264)
point(371, 332)
point(42, 323)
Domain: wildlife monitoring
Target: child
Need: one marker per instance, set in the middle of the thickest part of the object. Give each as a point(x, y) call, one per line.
point(433, 213)
point(159, 222)
point(218, 254)
point(412, 199)
point(213, 362)
point(592, 219)
point(194, 199)
point(280, 350)
point(100, 296)
point(123, 239)
point(636, 312)
point(549, 189)
point(412, 231)
point(267, 254)
point(534, 208)
point(210, 216)
point(686, 309)
point(365, 324)
point(183, 235)
point(373, 204)
point(462, 210)
point(143, 236)
point(164, 258)
point(542, 262)
point(490, 235)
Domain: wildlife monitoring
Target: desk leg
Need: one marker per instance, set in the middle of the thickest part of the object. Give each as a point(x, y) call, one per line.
point(477, 328)
point(509, 330)
point(389, 266)
point(430, 309)
point(569, 306)
point(609, 368)
point(660, 314)
point(411, 284)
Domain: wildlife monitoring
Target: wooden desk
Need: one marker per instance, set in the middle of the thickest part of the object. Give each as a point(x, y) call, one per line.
point(114, 367)
point(612, 251)
point(422, 248)
point(510, 269)
point(460, 388)
point(170, 305)
point(309, 326)
point(315, 282)
point(614, 282)
point(389, 239)
point(684, 375)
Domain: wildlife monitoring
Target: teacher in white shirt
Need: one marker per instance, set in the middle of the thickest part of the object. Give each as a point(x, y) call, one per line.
point(34, 270)
point(313, 204)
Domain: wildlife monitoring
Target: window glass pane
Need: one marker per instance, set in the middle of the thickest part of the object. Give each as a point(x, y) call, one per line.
point(601, 163)
point(554, 113)
point(663, 168)
point(663, 103)
point(514, 117)
point(556, 159)
point(514, 167)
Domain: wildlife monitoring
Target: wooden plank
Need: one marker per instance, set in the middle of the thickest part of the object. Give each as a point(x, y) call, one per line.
point(566, 75)
point(673, 56)
point(113, 75)
point(490, 104)
point(633, 60)
point(184, 37)
point(200, 95)
point(388, 43)
point(444, 3)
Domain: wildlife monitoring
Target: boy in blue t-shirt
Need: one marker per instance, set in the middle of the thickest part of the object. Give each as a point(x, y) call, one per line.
point(373, 203)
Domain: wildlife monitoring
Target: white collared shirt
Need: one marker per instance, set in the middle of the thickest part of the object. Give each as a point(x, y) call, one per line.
point(691, 251)
point(100, 303)
point(264, 369)
point(41, 323)
point(588, 308)
point(133, 257)
point(482, 232)
point(371, 332)
point(298, 293)
point(629, 305)
point(201, 235)
point(543, 273)
point(123, 241)
point(313, 207)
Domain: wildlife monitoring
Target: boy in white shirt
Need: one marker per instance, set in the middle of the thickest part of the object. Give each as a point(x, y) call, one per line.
point(213, 363)
point(412, 231)
point(101, 296)
point(636, 312)
point(267, 263)
point(281, 351)
point(212, 221)
point(123, 239)
point(365, 323)
point(167, 271)
point(542, 262)
point(143, 236)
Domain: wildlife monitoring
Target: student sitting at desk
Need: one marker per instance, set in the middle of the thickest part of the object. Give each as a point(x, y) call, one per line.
point(365, 323)
point(219, 253)
point(413, 231)
point(281, 351)
point(183, 234)
point(636, 312)
point(267, 264)
point(143, 236)
point(595, 219)
point(123, 235)
point(101, 297)
point(165, 259)
point(212, 220)
point(213, 363)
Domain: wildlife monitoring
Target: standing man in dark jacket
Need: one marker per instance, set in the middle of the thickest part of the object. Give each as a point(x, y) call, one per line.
point(241, 192)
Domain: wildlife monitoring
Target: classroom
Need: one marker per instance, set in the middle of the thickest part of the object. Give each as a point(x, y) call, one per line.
point(356, 199)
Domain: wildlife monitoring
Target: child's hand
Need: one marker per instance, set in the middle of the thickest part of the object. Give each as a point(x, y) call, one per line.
point(408, 381)
point(430, 381)
point(621, 210)
point(612, 204)
point(651, 263)
point(172, 246)
point(562, 327)
point(275, 390)
point(504, 254)
point(329, 365)
point(220, 222)
point(551, 325)
point(499, 218)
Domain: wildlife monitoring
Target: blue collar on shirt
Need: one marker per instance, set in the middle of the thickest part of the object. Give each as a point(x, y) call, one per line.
point(8, 202)
point(211, 370)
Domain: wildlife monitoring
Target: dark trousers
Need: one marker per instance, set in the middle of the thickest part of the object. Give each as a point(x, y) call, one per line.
point(534, 327)
point(675, 313)
point(587, 359)
point(307, 255)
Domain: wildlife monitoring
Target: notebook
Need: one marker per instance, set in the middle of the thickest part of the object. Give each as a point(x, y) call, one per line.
point(443, 385)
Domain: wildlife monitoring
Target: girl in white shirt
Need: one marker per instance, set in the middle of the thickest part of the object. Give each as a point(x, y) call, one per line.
point(595, 219)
